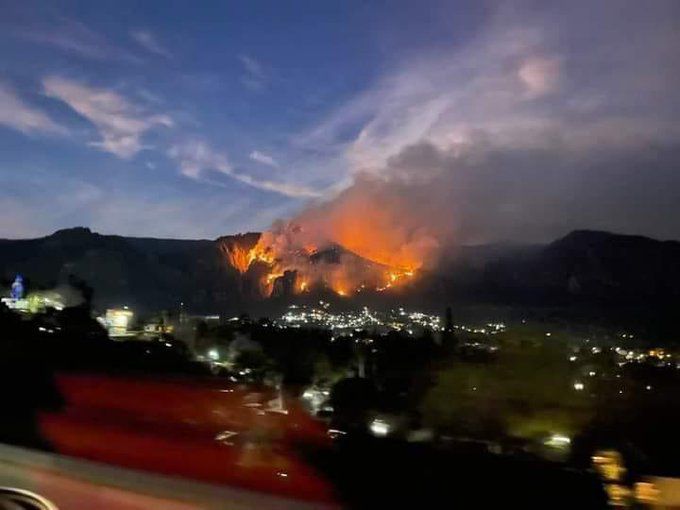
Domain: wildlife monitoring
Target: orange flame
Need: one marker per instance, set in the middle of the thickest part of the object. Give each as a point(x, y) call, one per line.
point(395, 277)
point(261, 253)
point(238, 257)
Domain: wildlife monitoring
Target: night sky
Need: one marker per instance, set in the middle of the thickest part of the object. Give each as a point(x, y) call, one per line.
point(479, 121)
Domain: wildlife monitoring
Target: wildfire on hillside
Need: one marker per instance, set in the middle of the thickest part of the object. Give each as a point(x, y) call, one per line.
point(374, 236)
point(285, 258)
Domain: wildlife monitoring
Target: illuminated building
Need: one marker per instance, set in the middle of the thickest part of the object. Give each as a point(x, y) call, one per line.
point(118, 321)
point(35, 302)
point(158, 328)
point(19, 305)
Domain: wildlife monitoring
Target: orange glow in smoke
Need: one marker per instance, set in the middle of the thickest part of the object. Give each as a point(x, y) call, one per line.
point(310, 249)
point(377, 232)
point(384, 257)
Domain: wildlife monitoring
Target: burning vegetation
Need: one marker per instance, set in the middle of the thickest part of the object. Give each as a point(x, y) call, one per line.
point(281, 261)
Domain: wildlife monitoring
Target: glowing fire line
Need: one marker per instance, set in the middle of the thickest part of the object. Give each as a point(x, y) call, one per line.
point(243, 259)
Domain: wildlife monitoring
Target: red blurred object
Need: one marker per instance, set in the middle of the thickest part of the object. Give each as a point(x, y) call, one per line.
point(204, 430)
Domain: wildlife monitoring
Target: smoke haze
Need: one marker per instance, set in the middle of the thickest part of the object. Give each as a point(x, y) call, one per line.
point(543, 123)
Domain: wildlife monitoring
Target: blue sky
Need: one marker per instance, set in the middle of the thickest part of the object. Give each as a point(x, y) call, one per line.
point(198, 119)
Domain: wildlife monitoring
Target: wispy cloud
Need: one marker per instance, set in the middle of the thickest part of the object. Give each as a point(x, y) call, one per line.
point(265, 159)
point(517, 85)
point(120, 123)
point(76, 38)
point(150, 43)
point(254, 76)
point(17, 114)
point(196, 156)
point(540, 75)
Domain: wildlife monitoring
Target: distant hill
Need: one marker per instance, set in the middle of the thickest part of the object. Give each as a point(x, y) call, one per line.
point(584, 267)
point(146, 273)
point(590, 266)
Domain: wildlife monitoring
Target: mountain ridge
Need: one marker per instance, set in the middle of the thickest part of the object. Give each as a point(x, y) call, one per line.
point(585, 266)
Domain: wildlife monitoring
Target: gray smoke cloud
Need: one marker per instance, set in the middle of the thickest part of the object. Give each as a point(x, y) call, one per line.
point(554, 117)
